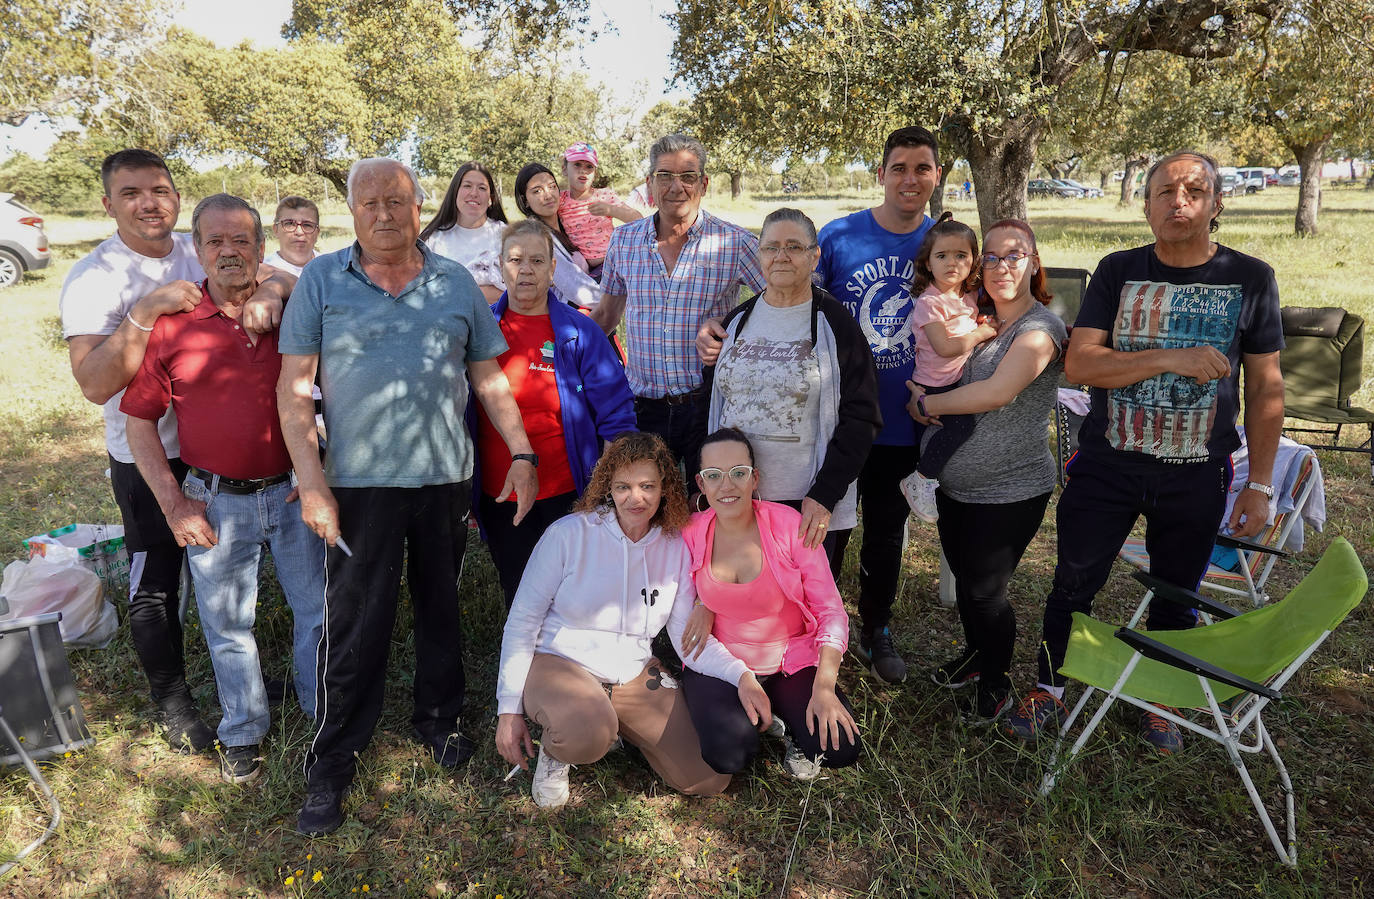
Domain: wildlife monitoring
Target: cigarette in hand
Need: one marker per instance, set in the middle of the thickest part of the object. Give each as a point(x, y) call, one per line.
point(514, 771)
point(343, 547)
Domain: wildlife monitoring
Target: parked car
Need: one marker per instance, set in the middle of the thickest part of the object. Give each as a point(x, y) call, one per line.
point(1252, 178)
point(1088, 191)
point(23, 243)
point(1044, 187)
point(1290, 179)
point(1232, 184)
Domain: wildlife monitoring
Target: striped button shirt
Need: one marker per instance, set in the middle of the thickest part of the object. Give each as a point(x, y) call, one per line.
point(664, 311)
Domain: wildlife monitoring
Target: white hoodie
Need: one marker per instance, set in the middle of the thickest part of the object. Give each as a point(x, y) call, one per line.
point(594, 597)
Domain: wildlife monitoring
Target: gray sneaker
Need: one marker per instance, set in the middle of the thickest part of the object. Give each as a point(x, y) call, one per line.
point(797, 765)
point(883, 661)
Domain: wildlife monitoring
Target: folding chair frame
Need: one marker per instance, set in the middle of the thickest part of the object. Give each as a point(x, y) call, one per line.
point(1248, 550)
point(1230, 731)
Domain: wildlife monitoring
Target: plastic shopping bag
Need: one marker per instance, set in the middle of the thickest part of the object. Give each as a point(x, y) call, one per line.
point(44, 585)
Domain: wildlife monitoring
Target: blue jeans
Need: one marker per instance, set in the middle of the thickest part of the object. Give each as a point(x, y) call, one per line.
point(226, 581)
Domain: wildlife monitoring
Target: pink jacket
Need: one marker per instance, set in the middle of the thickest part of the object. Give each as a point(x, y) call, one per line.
point(805, 579)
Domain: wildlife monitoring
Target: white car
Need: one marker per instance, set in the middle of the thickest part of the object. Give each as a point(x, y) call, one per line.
point(23, 243)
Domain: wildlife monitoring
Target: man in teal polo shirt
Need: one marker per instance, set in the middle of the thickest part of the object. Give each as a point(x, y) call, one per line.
point(395, 333)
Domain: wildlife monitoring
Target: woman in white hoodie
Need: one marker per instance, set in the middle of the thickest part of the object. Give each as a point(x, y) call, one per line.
point(576, 654)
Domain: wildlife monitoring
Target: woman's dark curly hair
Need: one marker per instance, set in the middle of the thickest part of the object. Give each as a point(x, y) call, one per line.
point(629, 449)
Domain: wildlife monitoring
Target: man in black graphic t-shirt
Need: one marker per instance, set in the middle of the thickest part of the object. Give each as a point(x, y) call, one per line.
point(1161, 339)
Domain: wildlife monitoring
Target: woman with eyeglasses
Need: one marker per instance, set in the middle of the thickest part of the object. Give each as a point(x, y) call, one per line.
point(996, 481)
point(577, 654)
point(572, 394)
point(778, 631)
point(795, 374)
point(467, 227)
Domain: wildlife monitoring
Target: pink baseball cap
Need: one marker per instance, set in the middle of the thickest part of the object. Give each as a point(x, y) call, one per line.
point(581, 152)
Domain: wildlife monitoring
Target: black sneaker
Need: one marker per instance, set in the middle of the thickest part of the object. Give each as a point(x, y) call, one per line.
point(449, 750)
point(322, 812)
point(278, 690)
point(989, 704)
point(184, 730)
point(959, 672)
point(240, 764)
point(883, 661)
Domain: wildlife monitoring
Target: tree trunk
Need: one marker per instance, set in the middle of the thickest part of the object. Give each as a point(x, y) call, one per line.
point(1310, 158)
point(736, 184)
point(1001, 164)
point(1133, 166)
point(337, 176)
point(1103, 179)
point(937, 196)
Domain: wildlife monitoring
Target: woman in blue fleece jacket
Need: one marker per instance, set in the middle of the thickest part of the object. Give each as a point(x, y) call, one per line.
point(572, 394)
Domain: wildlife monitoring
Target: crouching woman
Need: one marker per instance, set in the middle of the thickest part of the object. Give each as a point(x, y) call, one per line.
point(763, 651)
point(576, 655)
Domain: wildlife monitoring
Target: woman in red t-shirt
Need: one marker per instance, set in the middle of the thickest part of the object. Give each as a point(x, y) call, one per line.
point(572, 394)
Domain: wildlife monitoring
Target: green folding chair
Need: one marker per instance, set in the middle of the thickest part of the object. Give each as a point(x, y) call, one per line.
point(1231, 670)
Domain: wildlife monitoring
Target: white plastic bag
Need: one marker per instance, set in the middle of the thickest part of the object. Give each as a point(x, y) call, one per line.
point(45, 585)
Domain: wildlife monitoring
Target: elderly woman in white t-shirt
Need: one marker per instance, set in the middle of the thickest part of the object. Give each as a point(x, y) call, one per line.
point(467, 228)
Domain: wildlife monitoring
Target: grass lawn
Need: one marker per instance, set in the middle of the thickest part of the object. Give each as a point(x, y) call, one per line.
point(933, 809)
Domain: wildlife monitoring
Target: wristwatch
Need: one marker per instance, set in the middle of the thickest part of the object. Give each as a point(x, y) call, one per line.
point(1266, 489)
point(534, 460)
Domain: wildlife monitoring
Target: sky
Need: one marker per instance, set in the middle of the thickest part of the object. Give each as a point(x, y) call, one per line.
point(632, 62)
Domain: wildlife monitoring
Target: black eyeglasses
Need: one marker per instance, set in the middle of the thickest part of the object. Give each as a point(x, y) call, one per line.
point(1012, 259)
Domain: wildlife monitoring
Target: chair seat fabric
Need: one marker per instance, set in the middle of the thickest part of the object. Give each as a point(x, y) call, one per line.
point(1257, 645)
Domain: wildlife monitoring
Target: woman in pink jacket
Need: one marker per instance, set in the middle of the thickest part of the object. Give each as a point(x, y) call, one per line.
point(769, 641)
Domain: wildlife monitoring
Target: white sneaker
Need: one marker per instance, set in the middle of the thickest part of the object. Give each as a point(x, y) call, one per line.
point(798, 766)
point(920, 495)
point(550, 786)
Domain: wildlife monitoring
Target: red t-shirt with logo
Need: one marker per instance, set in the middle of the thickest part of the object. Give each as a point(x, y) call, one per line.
point(528, 365)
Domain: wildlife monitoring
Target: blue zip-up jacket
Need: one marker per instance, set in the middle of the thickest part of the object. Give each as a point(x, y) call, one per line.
point(594, 398)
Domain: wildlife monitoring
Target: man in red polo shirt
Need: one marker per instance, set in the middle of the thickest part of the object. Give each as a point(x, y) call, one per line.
point(221, 383)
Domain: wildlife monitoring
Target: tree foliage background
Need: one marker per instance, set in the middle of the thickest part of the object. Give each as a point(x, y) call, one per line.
point(1074, 87)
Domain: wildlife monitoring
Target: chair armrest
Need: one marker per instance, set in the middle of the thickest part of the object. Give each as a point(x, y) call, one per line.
point(1151, 648)
point(1251, 546)
point(1184, 597)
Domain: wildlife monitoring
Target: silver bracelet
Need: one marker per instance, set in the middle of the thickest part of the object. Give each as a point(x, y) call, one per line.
point(130, 317)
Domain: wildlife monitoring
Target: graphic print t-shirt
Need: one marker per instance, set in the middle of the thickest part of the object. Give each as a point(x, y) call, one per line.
point(1230, 302)
point(869, 269)
point(770, 384)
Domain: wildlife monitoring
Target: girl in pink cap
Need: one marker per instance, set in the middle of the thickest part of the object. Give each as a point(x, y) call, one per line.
point(587, 211)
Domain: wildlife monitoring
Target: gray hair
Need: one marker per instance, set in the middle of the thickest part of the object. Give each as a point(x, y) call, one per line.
point(676, 143)
point(788, 214)
point(531, 227)
point(1208, 163)
point(227, 202)
point(363, 165)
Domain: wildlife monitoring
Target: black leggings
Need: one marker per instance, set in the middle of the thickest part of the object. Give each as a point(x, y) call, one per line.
point(984, 544)
point(729, 742)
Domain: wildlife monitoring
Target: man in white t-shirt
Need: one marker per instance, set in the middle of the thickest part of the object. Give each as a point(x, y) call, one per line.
point(297, 227)
point(109, 303)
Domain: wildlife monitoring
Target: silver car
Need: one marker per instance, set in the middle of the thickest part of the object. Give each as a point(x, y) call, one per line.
point(23, 243)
